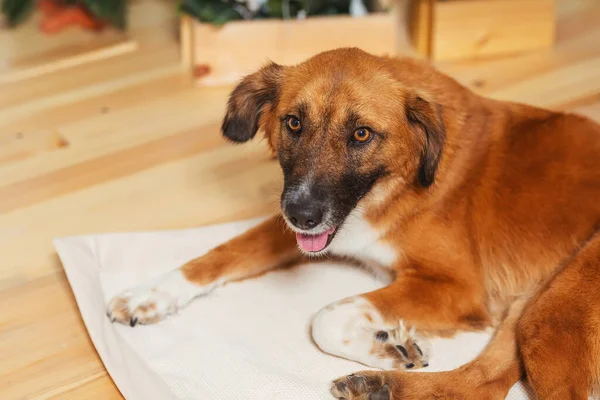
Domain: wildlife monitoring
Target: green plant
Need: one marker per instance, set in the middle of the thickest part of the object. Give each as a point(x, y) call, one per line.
point(15, 11)
point(112, 11)
point(216, 12)
point(219, 12)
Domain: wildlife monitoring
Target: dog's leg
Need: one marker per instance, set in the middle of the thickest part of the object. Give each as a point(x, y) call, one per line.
point(387, 328)
point(489, 377)
point(559, 333)
point(260, 249)
point(554, 335)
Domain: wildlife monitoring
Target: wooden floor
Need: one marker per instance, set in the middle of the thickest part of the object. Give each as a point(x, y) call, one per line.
point(129, 144)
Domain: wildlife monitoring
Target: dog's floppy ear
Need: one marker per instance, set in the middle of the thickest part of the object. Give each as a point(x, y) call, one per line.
point(427, 117)
point(248, 101)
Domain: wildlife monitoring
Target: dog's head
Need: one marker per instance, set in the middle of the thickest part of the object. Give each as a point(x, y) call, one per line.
point(340, 123)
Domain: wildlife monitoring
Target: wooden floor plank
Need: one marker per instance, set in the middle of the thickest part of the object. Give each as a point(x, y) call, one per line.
point(94, 387)
point(43, 343)
point(106, 168)
point(111, 123)
point(556, 88)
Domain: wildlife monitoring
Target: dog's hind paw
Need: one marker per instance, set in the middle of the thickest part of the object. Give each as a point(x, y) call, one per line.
point(362, 386)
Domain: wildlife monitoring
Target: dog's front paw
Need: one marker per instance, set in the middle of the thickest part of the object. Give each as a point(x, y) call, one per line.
point(141, 306)
point(153, 302)
point(413, 348)
point(403, 346)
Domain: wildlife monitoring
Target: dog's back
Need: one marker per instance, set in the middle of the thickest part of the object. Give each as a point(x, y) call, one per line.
point(535, 193)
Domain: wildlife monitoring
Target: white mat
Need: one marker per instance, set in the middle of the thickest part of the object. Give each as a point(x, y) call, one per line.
point(248, 340)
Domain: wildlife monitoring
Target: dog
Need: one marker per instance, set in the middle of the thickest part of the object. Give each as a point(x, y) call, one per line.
point(484, 213)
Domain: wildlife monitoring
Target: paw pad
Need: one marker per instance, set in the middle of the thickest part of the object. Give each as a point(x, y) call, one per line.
point(371, 386)
point(140, 307)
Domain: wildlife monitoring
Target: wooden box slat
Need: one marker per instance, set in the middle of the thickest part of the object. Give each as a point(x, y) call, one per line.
point(470, 29)
point(229, 52)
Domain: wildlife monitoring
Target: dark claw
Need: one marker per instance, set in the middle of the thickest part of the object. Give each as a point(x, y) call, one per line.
point(382, 336)
point(381, 394)
point(418, 349)
point(112, 319)
point(425, 364)
point(410, 365)
point(133, 321)
point(402, 350)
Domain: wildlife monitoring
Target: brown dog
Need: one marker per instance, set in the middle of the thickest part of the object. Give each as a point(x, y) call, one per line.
point(485, 213)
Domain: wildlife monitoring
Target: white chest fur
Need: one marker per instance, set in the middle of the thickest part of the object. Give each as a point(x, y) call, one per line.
point(360, 240)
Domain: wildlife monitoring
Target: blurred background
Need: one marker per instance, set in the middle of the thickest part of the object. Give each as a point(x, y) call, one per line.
point(110, 114)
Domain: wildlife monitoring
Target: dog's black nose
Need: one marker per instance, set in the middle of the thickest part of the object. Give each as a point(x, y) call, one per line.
point(304, 215)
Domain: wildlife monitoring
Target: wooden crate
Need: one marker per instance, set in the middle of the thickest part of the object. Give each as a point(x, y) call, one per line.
point(222, 55)
point(468, 29)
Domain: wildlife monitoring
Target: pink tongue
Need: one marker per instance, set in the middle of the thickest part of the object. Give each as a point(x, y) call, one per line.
point(313, 242)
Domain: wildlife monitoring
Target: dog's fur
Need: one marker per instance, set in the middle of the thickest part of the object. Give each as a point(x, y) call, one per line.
point(485, 213)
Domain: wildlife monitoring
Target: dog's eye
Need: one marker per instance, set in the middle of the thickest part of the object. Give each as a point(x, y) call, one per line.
point(293, 124)
point(362, 135)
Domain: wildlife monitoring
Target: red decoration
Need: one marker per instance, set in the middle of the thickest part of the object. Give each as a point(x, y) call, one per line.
point(58, 16)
